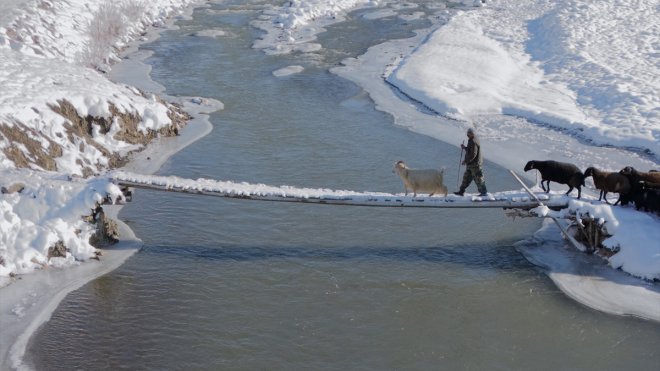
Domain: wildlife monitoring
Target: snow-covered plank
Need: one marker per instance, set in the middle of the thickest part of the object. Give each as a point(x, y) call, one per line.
point(262, 192)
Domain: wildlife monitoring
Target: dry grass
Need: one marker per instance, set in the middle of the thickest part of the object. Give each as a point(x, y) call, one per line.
point(25, 149)
point(19, 134)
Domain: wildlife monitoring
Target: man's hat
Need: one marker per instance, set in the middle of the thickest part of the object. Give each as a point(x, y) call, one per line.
point(470, 131)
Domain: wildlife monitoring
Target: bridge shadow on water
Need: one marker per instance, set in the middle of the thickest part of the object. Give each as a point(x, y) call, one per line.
point(486, 256)
point(501, 257)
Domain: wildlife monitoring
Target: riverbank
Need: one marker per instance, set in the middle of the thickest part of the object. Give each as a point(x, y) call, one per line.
point(28, 300)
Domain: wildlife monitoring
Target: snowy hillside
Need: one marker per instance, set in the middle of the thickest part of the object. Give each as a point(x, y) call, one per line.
point(56, 104)
point(59, 113)
point(589, 68)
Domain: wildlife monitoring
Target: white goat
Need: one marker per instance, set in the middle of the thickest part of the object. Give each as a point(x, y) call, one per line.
point(421, 180)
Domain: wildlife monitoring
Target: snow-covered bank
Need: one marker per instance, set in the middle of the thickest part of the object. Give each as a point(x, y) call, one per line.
point(634, 235)
point(78, 121)
point(590, 69)
point(59, 113)
point(51, 206)
point(294, 25)
point(30, 300)
point(588, 280)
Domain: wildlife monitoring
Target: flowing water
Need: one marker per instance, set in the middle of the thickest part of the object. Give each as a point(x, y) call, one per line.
point(232, 284)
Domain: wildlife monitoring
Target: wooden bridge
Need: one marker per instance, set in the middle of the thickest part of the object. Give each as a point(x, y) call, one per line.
point(522, 200)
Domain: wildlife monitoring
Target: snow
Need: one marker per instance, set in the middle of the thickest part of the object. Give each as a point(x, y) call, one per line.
point(584, 73)
point(220, 188)
point(493, 82)
point(634, 234)
point(584, 278)
point(48, 210)
point(286, 71)
point(27, 303)
point(43, 63)
point(588, 68)
point(210, 33)
point(38, 52)
point(294, 25)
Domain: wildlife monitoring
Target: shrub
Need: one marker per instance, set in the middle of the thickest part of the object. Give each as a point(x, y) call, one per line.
point(110, 24)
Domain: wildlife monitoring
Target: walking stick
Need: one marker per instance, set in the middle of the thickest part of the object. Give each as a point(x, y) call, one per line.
point(460, 161)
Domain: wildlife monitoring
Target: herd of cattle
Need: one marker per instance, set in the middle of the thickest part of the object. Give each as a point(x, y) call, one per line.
point(637, 187)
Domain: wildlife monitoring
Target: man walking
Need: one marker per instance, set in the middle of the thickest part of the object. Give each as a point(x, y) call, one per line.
point(473, 162)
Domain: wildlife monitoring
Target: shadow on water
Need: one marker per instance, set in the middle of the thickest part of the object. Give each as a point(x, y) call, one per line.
point(467, 255)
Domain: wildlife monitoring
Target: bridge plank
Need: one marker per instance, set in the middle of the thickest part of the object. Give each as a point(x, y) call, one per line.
point(261, 192)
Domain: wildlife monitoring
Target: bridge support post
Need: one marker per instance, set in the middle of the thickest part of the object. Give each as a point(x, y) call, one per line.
point(570, 238)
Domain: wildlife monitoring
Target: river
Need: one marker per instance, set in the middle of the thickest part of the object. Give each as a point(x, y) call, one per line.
point(234, 284)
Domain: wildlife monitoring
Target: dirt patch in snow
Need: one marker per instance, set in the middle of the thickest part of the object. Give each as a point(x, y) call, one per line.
point(24, 149)
point(58, 250)
point(83, 128)
point(28, 148)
